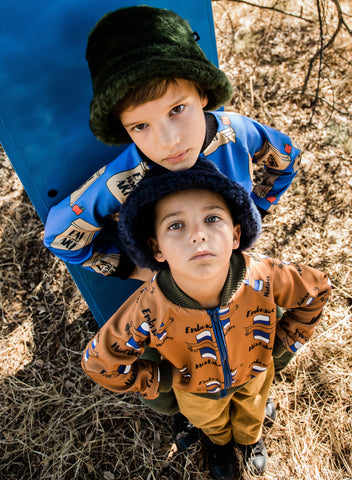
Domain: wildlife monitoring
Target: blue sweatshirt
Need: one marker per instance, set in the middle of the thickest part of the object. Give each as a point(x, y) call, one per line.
point(81, 229)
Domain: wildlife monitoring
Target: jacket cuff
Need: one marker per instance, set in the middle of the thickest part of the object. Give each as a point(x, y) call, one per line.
point(281, 355)
point(165, 370)
point(279, 348)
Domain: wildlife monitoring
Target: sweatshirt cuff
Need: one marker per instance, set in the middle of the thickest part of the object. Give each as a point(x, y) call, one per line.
point(263, 213)
point(165, 370)
point(125, 268)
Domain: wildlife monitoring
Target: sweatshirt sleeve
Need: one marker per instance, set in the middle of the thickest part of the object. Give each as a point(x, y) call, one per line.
point(82, 228)
point(241, 142)
point(302, 291)
point(278, 155)
point(112, 357)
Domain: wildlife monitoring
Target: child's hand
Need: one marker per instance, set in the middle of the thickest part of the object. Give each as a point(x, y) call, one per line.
point(143, 274)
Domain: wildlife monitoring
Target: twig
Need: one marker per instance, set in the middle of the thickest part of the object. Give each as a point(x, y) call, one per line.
point(341, 15)
point(320, 54)
point(322, 99)
point(264, 7)
point(225, 10)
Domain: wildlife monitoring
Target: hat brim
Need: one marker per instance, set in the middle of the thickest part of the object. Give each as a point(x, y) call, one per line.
point(158, 183)
point(205, 74)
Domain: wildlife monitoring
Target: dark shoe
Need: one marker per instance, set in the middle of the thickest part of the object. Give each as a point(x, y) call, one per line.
point(270, 413)
point(222, 461)
point(255, 456)
point(185, 433)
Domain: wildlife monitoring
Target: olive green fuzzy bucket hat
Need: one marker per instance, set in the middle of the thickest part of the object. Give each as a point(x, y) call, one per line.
point(135, 45)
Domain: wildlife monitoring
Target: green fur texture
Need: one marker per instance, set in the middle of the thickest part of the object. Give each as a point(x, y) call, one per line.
point(135, 45)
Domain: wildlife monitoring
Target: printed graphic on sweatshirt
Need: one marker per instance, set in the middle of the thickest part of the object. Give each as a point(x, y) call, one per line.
point(213, 385)
point(257, 285)
point(185, 371)
point(296, 346)
point(204, 344)
point(77, 193)
point(256, 368)
point(271, 157)
point(221, 138)
point(104, 263)
point(297, 161)
point(225, 119)
point(78, 209)
point(224, 319)
point(122, 184)
point(161, 332)
point(263, 189)
point(307, 299)
point(261, 329)
point(79, 234)
point(90, 351)
point(142, 331)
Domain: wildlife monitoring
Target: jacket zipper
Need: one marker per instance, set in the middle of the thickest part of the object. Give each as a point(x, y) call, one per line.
point(220, 340)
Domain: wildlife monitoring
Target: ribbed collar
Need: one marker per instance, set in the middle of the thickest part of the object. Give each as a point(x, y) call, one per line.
point(234, 280)
point(210, 130)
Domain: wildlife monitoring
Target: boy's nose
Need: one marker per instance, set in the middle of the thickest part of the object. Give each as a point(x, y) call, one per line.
point(202, 239)
point(168, 136)
point(198, 236)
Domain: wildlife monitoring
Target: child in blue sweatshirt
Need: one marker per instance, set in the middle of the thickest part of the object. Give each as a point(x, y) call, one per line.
point(155, 91)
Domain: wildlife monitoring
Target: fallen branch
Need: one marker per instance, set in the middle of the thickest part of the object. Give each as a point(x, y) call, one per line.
point(278, 10)
point(329, 43)
point(320, 55)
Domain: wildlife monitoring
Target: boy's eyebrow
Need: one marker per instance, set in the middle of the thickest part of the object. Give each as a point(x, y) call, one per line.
point(131, 124)
point(169, 215)
point(174, 103)
point(175, 214)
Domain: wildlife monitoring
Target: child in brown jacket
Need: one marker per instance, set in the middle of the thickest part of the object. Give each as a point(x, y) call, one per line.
point(210, 311)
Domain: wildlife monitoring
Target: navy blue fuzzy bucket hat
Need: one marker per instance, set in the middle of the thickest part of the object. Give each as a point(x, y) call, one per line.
point(136, 218)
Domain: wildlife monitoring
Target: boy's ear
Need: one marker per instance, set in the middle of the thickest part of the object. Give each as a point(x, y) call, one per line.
point(204, 99)
point(236, 236)
point(154, 248)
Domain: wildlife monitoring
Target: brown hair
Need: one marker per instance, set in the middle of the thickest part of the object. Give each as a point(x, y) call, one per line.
point(146, 93)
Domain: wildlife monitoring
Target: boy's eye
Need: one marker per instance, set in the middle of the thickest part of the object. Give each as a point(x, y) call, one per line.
point(177, 109)
point(175, 226)
point(139, 127)
point(212, 219)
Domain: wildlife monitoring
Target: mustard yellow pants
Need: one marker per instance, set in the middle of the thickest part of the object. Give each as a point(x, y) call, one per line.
point(239, 415)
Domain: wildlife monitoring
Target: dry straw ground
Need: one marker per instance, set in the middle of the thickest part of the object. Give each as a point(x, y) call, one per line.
point(57, 425)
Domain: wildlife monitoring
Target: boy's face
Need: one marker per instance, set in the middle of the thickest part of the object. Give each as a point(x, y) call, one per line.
point(170, 130)
point(195, 234)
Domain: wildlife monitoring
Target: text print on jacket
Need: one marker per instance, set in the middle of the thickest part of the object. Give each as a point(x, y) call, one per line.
point(213, 352)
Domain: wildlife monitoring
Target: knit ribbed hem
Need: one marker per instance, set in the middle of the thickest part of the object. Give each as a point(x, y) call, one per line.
point(165, 370)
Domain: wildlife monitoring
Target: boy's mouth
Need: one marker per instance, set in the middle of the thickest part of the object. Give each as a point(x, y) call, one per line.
point(177, 157)
point(202, 255)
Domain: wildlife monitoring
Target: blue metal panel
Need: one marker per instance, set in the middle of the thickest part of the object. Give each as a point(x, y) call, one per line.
point(45, 91)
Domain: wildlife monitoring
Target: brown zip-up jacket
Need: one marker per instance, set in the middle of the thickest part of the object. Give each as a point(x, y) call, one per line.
point(208, 352)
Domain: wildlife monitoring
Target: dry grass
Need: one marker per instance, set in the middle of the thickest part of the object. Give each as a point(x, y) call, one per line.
point(57, 425)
